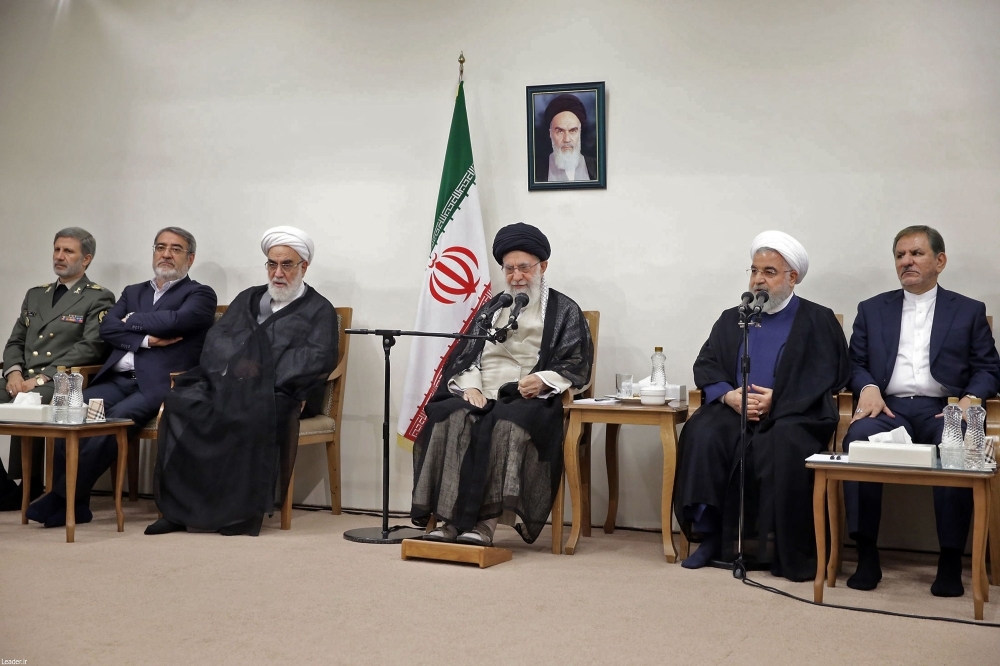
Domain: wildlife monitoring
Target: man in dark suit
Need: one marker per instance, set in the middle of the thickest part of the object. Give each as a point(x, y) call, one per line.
point(912, 349)
point(155, 328)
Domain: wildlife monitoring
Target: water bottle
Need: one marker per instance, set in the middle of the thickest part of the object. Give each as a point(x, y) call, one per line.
point(952, 446)
point(975, 435)
point(60, 396)
point(658, 377)
point(77, 410)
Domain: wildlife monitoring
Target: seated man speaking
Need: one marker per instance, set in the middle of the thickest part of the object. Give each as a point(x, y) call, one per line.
point(910, 350)
point(492, 445)
point(229, 430)
point(798, 359)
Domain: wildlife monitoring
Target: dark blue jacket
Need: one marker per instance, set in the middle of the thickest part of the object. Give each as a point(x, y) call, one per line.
point(963, 354)
point(186, 311)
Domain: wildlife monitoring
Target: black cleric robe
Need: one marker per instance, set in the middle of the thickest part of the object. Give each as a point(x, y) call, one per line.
point(567, 349)
point(803, 417)
point(229, 428)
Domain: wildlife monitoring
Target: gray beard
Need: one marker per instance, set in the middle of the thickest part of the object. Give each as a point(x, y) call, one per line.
point(566, 161)
point(533, 289)
point(286, 293)
point(168, 275)
point(776, 297)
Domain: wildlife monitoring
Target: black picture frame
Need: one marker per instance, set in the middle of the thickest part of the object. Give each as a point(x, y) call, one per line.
point(592, 165)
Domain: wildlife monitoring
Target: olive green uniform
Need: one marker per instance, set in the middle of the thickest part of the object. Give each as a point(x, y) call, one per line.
point(47, 336)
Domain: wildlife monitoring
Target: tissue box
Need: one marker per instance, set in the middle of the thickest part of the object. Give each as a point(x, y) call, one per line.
point(890, 453)
point(36, 413)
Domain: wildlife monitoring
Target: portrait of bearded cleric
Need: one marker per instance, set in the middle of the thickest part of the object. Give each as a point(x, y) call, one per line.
point(566, 137)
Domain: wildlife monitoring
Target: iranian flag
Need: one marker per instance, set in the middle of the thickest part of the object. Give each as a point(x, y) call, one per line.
point(457, 280)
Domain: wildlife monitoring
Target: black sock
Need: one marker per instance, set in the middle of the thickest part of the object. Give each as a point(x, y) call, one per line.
point(708, 550)
point(948, 582)
point(869, 571)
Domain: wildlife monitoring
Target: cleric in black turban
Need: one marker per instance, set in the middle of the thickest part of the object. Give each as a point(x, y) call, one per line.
point(565, 121)
point(521, 236)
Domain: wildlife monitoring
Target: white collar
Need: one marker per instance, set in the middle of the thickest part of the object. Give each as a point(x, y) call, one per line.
point(925, 297)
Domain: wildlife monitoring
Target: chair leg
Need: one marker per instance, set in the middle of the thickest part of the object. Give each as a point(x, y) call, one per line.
point(557, 518)
point(333, 465)
point(286, 506)
point(133, 469)
point(585, 479)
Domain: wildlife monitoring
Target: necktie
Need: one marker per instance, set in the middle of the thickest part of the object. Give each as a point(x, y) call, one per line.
point(60, 290)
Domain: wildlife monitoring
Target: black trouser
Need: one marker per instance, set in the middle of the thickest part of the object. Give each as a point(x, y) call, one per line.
point(952, 506)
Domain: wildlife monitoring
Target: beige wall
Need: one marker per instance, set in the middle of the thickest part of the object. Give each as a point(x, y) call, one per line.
point(837, 122)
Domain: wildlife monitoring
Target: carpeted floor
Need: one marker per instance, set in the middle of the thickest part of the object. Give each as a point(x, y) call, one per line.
point(307, 596)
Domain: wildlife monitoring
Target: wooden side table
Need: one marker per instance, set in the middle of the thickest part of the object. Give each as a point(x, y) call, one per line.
point(616, 415)
point(72, 434)
point(829, 475)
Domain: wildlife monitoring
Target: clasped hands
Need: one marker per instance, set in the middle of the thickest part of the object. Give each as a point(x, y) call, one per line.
point(758, 401)
point(529, 387)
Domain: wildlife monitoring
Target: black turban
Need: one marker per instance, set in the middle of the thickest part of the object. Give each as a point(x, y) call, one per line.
point(565, 102)
point(521, 236)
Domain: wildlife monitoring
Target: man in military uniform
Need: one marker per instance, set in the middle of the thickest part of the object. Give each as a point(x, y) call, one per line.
point(57, 325)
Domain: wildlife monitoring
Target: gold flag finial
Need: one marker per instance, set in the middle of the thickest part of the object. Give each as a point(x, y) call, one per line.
point(461, 65)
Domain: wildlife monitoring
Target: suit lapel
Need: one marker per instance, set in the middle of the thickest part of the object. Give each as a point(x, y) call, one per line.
point(890, 330)
point(944, 315)
point(69, 299)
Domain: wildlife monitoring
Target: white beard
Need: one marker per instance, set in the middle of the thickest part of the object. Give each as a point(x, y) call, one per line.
point(776, 297)
point(566, 161)
point(284, 293)
point(533, 289)
point(169, 274)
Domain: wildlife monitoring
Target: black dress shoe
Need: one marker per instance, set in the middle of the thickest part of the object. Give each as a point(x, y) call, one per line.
point(45, 507)
point(869, 572)
point(164, 526)
point(58, 519)
point(948, 582)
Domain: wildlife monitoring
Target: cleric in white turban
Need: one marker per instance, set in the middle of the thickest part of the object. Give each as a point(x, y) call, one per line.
point(229, 428)
point(798, 359)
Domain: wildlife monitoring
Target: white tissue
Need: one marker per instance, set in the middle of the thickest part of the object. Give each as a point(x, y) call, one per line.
point(28, 398)
point(897, 436)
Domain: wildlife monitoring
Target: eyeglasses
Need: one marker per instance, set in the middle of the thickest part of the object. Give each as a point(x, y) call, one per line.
point(286, 266)
point(769, 273)
point(176, 250)
point(522, 268)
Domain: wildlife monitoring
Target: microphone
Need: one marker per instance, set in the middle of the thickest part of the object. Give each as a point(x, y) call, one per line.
point(762, 298)
point(520, 302)
point(498, 302)
point(747, 299)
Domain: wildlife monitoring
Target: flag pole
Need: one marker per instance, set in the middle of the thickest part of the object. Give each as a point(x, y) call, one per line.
point(461, 66)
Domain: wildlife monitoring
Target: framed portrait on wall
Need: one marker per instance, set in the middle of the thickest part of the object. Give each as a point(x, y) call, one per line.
point(567, 137)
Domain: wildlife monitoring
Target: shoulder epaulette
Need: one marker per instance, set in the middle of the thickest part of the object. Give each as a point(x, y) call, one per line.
point(43, 286)
point(94, 285)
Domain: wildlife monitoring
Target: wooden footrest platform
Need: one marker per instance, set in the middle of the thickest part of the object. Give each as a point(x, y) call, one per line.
point(482, 556)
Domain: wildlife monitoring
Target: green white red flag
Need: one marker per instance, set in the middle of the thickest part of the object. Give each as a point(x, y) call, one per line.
point(457, 279)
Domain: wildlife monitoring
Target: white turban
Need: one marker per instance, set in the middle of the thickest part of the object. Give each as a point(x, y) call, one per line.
point(294, 238)
point(787, 247)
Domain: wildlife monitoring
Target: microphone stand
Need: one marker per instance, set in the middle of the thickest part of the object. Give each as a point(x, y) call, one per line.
point(747, 315)
point(397, 533)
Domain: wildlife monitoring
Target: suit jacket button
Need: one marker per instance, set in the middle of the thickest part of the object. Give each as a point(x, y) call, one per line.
point(48, 353)
point(51, 335)
point(40, 337)
point(34, 353)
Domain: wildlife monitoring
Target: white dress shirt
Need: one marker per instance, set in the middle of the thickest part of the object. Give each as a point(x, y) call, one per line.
point(127, 362)
point(911, 376)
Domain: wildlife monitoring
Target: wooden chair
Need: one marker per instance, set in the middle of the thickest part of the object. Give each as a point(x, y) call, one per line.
point(325, 428)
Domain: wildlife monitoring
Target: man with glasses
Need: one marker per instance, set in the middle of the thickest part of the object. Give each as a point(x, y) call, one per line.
point(229, 429)
point(798, 359)
point(911, 350)
point(492, 446)
point(157, 327)
point(56, 325)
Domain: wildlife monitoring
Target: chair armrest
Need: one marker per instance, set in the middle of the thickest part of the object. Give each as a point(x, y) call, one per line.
point(172, 376)
point(993, 416)
point(845, 410)
point(695, 397)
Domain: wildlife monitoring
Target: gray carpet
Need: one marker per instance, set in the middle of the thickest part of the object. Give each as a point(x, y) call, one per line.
point(307, 596)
